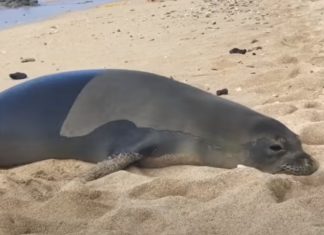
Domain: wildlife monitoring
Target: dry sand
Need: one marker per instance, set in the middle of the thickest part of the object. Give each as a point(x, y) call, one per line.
point(190, 41)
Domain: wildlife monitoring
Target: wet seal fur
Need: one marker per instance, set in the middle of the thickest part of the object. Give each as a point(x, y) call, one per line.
point(119, 117)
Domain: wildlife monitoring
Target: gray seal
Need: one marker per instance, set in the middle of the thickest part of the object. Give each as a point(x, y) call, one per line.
point(120, 117)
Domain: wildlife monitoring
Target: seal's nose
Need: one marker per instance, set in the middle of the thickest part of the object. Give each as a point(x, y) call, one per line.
point(300, 164)
point(309, 164)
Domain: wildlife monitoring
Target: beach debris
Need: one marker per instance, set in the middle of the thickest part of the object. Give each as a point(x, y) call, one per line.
point(237, 51)
point(18, 76)
point(27, 59)
point(222, 92)
point(53, 29)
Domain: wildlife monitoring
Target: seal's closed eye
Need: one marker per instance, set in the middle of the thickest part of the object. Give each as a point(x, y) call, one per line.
point(276, 147)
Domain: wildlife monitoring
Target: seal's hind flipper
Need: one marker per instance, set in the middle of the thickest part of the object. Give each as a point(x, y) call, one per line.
point(112, 164)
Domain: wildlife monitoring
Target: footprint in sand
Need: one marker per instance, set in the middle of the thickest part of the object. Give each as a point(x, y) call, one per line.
point(296, 40)
point(317, 61)
point(279, 188)
point(17, 224)
point(312, 104)
point(286, 59)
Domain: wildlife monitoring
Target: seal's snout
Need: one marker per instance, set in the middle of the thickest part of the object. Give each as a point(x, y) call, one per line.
point(300, 164)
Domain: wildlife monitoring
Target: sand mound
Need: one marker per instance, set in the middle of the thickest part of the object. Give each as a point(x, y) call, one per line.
point(173, 200)
point(313, 134)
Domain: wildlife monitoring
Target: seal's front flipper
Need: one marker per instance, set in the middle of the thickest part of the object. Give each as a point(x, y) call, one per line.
point(112, 164)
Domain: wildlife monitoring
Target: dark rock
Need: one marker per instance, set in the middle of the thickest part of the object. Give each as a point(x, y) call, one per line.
point(26, 60)
point(18, 76)
point(222, 92)
point(237, 51)
point(18, 3)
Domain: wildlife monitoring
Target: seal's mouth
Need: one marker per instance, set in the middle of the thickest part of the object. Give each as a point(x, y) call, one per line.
point(306, 167)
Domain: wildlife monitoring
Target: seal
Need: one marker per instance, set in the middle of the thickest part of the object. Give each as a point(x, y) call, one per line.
point(121, 117)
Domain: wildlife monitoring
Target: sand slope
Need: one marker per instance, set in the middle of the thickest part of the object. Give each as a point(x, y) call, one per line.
point(190, 41)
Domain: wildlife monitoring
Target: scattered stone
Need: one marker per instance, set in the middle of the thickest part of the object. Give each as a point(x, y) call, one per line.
point(26, 60)
point(18, 76)
point(222, 92)
point(237, 51)
point(254, 41)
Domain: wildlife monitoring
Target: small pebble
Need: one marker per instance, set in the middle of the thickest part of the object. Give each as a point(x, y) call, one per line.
point(237, 51)
point(26, 60)
point(222, 92)
point(18, 76)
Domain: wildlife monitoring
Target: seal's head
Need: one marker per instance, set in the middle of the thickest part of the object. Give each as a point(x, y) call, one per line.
point(276, 149)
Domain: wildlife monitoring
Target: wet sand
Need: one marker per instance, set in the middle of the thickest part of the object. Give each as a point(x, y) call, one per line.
point(10, 17)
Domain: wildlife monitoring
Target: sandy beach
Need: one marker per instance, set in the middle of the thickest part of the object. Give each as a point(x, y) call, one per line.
point(281, 75)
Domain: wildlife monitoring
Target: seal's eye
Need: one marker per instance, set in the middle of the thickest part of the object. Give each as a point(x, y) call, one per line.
point(276, 147)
